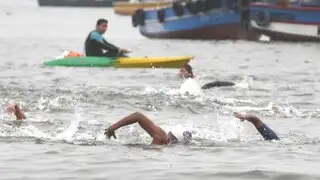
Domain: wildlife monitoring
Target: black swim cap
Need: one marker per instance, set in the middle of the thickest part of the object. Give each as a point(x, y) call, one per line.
point(100, 21)
point(189, 69)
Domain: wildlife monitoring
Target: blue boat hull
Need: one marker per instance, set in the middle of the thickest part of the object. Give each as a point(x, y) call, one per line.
point(222, 23)
point(294, 23)
point(280, 23)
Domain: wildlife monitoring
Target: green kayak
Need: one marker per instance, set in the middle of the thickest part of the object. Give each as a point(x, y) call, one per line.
point(82, 62)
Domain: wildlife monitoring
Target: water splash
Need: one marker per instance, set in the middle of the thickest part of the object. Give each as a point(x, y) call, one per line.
point(71, 130)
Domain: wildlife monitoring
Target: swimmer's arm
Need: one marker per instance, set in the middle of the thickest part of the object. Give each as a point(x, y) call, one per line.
point(266, 132)
point(143, 121)
point(16, 110)
point(256, 121)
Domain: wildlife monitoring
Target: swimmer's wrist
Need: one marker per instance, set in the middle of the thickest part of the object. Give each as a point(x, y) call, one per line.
point(18, 113)
point(112, 128)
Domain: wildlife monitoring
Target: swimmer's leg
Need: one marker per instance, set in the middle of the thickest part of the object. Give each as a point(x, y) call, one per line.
point(263, 129)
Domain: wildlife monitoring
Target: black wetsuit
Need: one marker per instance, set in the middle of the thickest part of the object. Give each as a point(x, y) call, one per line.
point(217, 84)
point(267, 133)
point(95, 44)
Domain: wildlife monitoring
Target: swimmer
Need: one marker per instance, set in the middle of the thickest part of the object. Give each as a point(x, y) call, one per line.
point(159, 136)
point(263, 129)
point(186, 72)
point(190, 86)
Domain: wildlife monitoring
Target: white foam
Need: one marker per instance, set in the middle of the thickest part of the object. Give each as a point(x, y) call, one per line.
point(246, 83)
point(25, 130)
point(68, 134)
point(190, 86)
point(264, 38)
point(32, 131)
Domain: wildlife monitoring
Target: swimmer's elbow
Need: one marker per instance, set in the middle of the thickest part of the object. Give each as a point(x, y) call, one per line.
point(138, 114)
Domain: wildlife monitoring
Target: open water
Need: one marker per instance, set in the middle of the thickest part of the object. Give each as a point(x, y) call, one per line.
point(68, 108)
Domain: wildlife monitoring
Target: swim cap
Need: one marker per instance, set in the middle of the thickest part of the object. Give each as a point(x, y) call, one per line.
point(189, 69)
point(181, 136)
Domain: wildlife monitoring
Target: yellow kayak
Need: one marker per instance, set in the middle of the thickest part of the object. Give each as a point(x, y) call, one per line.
point(152, 62)
point(128, 8)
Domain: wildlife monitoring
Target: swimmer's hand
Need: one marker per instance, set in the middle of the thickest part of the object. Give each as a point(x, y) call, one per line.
point(240, 116)
point(110, 133)
point(13, 108)
point(10, 108)
point(125, 51)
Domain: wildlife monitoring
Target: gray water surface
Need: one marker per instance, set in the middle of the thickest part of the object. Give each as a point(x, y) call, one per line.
point(68, 108)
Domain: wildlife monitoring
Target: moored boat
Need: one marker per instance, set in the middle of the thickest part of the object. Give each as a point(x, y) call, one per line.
point(128, 8)
point(286, 22)
point(203, 19)
point(230, 19)
point(76, 3)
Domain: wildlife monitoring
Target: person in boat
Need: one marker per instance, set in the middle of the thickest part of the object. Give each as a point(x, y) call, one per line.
point(266, 132)
point(159, 136)
point(187, 73)
point(96, 45)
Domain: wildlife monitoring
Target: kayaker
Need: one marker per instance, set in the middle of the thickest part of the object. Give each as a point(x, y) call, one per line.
point(266, 132)
point(96, 45)
point(186, 72)
point(159, 136)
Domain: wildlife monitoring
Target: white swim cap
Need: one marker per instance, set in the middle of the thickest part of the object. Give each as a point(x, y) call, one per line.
point(181, 135)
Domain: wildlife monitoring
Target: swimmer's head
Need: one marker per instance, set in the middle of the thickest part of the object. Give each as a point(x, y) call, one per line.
point(186, 71)
point(177, 137)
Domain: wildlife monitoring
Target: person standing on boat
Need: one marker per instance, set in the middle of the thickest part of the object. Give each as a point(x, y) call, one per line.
point(96, 45)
